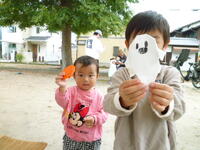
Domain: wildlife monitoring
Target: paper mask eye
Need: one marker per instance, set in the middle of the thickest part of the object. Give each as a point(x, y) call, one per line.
point(146, 45)
point(69, 71)
point(144, 49)
point(137, 45)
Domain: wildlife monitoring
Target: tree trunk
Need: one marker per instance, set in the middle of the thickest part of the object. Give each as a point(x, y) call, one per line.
point(66, 46)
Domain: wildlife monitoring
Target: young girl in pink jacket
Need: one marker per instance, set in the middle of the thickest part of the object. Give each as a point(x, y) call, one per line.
point(83, 114)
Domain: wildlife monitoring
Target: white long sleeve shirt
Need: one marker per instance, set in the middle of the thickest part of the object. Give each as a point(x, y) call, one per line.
point(93, 47)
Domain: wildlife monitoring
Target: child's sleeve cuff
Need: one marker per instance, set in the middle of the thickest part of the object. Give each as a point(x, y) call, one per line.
point(119, 107)
point(168, 113)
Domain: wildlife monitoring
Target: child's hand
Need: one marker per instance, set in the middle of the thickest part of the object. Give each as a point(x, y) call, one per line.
point(160, 96)
point(131, 91)
point(60, 81)
point(89, 121)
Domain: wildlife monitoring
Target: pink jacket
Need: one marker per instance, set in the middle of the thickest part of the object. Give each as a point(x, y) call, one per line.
point(78, 104)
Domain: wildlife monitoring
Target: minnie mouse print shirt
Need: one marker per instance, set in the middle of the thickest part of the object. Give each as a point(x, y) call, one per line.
point(77, 104)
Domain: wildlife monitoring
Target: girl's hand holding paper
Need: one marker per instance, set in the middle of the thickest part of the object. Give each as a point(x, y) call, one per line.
point(65, 74)
point(68, 71)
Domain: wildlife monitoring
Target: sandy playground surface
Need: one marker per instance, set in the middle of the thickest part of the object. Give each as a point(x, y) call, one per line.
point(28, 111)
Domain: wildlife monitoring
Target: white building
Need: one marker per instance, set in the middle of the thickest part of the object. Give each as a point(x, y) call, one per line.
point(36, 44)
point(11, 40)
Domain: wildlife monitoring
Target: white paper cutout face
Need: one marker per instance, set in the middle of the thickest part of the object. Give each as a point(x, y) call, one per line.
point(143, 58)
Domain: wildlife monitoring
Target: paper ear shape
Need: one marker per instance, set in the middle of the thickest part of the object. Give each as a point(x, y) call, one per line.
point(143, 58)
point(69, 71)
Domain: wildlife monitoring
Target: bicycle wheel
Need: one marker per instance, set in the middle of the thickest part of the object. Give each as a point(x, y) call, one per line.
point(183, 73)
point(196, 83)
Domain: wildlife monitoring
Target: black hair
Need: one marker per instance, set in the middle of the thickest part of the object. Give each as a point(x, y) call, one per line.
point(148, 21)
point(96, 33)
point(86, 61)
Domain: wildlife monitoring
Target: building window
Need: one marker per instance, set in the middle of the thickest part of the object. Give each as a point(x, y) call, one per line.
point(12, 47)
point(1, 50)
point(81, 42)
point(39, 48)
point(12, 29)
point(115, 50)
point(37, 30)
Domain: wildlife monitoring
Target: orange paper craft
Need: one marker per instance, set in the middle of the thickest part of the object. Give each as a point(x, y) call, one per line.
point(69, 71)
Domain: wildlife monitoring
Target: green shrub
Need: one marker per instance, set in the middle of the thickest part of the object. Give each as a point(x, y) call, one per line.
point(19, 57)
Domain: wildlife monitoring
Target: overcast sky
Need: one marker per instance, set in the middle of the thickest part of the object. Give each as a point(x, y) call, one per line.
point(177, 12)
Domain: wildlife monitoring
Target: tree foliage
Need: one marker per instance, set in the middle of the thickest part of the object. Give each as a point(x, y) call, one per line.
point(78, 16)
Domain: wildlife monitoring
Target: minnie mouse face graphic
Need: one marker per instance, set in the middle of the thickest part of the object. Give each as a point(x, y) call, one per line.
point(77, 116)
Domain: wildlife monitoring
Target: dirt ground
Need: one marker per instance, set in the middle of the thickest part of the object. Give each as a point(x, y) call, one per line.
point(28, 111)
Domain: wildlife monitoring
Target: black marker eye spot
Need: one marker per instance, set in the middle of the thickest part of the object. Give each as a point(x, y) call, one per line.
point(145, 44)
point(137, 45)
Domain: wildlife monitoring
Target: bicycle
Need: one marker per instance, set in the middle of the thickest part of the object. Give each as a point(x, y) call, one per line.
point(178, 65)
point(193, 74)
point(183, 57)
